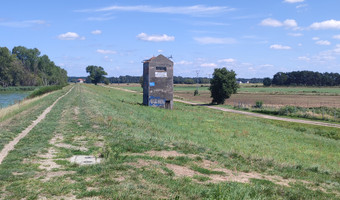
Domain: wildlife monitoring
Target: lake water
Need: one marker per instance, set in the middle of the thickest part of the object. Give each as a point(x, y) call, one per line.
point(10, 98)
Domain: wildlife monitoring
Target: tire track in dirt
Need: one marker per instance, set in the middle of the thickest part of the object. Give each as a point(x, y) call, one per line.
point(301, 121)
point(10, 146)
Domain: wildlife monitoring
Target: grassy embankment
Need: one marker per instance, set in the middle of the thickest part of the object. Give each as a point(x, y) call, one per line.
point(113, 124)
point(295, 102)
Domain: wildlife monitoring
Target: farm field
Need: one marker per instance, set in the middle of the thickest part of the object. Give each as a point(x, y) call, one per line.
point(271, 96)
point(149, 153)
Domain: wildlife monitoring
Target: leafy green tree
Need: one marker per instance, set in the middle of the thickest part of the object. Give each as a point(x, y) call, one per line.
point(5, 67)
point(29, 57)
point(267, 82)
point(222, 85)
point(96, 73)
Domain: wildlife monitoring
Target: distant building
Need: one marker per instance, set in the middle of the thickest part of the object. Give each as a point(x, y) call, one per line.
point(80, 80)
point(158, 82)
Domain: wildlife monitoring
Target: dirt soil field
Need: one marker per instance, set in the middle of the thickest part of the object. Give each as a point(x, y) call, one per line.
point(267, 99)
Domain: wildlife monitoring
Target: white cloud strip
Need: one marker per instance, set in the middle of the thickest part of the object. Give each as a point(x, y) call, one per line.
point(227, 60)
point(329, 24)
point(102, 51)
point(336, 37)
point(70, 36)
point(323, 42)
point(213, 40)
point(289, 23)
point(208, 65)
point(280, 47)
point(188, 10)
point(155, 38)
point(184, 62)
point(293, 1)
point(271, 22)
point(23, 24)
point(96, 32)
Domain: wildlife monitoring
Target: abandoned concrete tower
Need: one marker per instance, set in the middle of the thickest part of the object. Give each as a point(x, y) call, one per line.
point(158, 82)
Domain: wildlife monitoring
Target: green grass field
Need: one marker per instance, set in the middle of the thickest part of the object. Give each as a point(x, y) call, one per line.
point(281, 160)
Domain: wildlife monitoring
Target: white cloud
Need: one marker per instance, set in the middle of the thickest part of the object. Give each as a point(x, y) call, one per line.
point(213, 40)
point(227, 60)
point(108, 59)
point(304, 58)
point(70, 36)
point(184, 62)
point(23, 24)
point(337, 49)
point(315, 38)
point(187, 10)
point(323, 42)
point(99, 18)
point(293, 1)
point(96, 32)
point(336, 37)
point(295, 34)
point(290, 23)
point(155, 38)
point(329, 24)
point(102, 51)
point(208, 65)
point(301, 6)
point(271, 22)
point(280, 47)
point(159, 50)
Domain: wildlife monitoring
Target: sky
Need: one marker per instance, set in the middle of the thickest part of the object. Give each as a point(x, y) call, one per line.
point(255, 38)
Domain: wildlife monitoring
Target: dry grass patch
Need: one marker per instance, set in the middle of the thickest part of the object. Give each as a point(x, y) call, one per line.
point(215, 173)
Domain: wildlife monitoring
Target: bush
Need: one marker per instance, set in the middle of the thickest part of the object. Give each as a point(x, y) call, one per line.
point(44, 90)
point(258, 104)
point(196, 93)
point(267, 82)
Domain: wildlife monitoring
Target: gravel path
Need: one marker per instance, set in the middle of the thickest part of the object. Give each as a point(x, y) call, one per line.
point(10, 146)
point(262, 115)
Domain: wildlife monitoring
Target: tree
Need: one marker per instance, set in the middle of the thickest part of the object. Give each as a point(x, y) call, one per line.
point(267, 82)
point(96, 73)
point(222, 85)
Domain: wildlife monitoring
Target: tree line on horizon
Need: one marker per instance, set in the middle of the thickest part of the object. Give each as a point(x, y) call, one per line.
point(303, 78)
point(25, 67)
point(177, 79)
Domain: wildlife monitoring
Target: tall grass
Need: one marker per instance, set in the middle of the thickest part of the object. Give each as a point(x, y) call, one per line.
point(19, 88)
point(43, 90)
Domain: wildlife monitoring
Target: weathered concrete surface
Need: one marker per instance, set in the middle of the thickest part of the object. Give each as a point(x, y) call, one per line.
point(85, 160)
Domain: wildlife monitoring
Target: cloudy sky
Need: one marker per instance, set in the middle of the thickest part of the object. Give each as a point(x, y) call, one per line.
point(255, 38)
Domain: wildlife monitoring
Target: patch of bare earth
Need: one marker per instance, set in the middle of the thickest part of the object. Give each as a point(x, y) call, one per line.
point(57, 141)
point(228, 175)
point(66, 197)
point(47, 162)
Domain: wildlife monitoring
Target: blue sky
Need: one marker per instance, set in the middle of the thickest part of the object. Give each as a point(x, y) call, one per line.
point(255, 38)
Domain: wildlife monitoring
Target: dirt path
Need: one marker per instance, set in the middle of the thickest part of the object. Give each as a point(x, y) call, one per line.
point(249, 113)
point(262, 115)
point(10, 146)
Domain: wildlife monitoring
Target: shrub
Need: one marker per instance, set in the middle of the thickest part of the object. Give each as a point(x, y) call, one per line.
point(44, 90)
point(258, 104)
